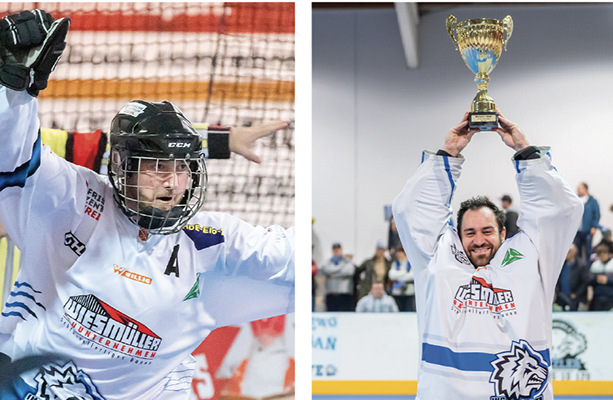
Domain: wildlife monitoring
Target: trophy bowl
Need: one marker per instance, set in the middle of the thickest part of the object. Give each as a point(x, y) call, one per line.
point(480, 42)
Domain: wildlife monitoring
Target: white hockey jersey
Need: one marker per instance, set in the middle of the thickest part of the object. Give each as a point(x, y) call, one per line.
point(125, 312)
point(485, 333)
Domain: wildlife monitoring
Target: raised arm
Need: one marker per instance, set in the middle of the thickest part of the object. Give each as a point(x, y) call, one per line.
point(550, 212)
point(423, 209)
point(242, 139)
point(30, 46)
point(255, 275)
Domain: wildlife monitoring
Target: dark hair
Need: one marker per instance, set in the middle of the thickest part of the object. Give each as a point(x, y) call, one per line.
point(602, 248)
point(476, 203)
point(587, 189)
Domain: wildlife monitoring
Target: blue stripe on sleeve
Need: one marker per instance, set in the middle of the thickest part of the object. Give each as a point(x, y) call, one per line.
point(21, 305)
point(19, 176)
point(12, 314)
point(448, 169)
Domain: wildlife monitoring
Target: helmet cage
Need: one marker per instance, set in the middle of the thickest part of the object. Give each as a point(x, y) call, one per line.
point(125, 174)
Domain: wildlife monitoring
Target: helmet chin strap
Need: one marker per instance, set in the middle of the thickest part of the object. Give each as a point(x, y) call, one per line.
point(152, 218)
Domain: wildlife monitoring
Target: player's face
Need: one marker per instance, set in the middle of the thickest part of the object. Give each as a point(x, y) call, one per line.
point(160, 184)
point(480, 235)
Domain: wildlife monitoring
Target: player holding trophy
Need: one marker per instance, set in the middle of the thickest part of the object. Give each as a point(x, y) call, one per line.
point(484, 303)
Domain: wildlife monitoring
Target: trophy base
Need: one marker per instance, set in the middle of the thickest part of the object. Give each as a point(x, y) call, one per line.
point(485, 121)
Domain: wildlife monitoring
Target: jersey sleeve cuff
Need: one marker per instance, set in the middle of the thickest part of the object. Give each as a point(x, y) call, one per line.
point(219, 142)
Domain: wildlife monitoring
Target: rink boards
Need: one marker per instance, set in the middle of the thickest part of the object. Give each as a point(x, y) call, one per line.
point(378, 353)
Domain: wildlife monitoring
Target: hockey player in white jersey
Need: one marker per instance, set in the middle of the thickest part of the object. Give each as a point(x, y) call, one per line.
point(122, 278)
point(484, 303)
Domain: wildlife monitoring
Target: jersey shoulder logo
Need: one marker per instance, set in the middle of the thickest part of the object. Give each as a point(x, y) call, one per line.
point(459, 255)
point(511, 256)
point(520, 373)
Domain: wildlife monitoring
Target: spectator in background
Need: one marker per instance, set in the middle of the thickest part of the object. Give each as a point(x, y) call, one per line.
point(607, 239)
point(375, 269)
point(377, 300)
point(510, 223)
point(589, 223)
point(571, 289)
point(600, 291)
point(339, 271)
point(401, 277)
point(393, 240)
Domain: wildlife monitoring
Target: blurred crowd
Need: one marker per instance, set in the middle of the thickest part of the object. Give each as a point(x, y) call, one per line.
point(384, 282)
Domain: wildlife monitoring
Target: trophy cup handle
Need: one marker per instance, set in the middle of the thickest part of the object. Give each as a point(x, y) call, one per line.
point(508, 25)
point(450, 21)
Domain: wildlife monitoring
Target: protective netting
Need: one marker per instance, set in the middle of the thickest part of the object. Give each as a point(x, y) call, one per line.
point(230, 64)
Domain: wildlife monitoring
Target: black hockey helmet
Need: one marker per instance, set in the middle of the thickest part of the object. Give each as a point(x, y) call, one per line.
point(144, 130)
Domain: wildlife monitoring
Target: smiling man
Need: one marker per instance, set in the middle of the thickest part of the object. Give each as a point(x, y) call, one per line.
point(484, 303)
point(481, 227)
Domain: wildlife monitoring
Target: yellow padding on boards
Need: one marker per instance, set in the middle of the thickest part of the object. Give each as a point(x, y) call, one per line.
point(583, 387)
point(16, 257)
point(410, 387)
point(364, 387)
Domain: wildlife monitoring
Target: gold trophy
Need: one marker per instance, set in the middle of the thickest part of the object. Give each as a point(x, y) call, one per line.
point(481, 42)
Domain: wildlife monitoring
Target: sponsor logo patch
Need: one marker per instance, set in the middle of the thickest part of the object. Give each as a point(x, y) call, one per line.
point(459, 255)
point(72, 242)
point(109, 330)
point(481, 297)
point(204, 236)
point(520, 373)
point(511, 256)
point(122, 271)
point(194, 292)
point(94, 204)
point(133, 109)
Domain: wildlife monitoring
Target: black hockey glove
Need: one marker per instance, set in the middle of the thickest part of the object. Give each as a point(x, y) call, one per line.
point(31, 44)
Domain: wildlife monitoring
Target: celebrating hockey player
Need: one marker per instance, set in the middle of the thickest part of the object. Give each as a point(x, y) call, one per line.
point(122, 278)
point(484, 303)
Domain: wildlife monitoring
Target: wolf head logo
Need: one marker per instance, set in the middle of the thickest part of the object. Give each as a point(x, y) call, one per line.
point(519, 374)
point(65, 382)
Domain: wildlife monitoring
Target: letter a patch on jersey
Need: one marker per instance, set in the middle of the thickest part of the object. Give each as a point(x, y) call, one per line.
point(173, 263)
point(511, 256)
